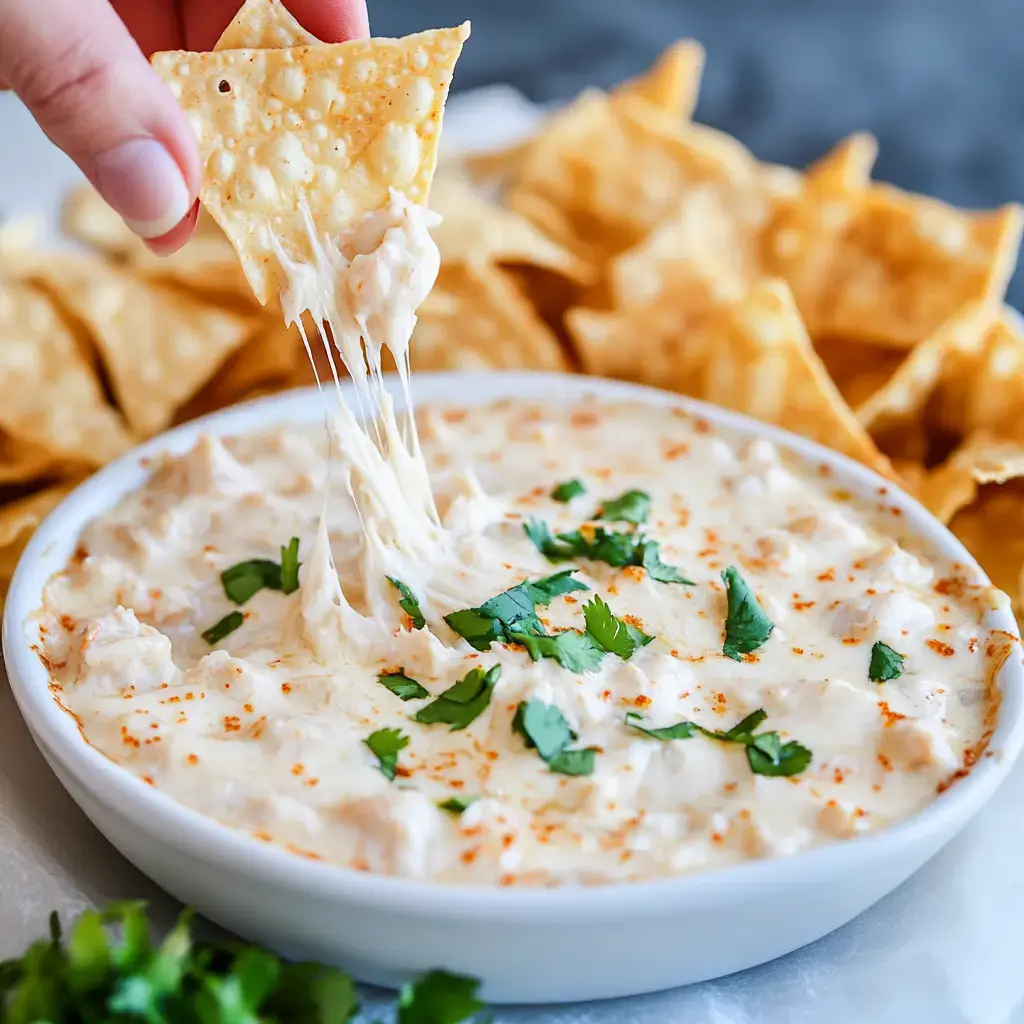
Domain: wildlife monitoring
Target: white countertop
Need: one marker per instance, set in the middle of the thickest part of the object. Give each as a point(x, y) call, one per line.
point(946, 948)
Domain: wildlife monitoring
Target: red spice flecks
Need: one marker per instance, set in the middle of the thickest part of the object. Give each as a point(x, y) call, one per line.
point(827, 576)
point(940, 648)
point(802, 606)
point(192, 759)
point(889, 715)
point(852, 641)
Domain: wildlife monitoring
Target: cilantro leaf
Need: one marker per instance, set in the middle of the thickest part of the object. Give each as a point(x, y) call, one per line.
point(885, 663)
point(554, 549)
point(438, 998)
point(512, 607)
point(610, 632)
point(290, 566)
point(680, 731)
point(543, 727)
point(575, 651)
point(565, 492)
point(744, 729)
point(479, 631)
point(543, 591)
point(768, 755)
point(385, 745)
point(574, 762)
point(223, 628)
point(658, 570)
point(408, 602)
point(457, 803)
point(402, 686)
point(246, 579)
point(462, 702)
point(747, 626)
point(631, 507)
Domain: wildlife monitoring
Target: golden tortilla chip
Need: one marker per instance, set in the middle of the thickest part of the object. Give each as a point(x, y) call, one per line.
point(322, 132)
point(760, 362)
point(614, 171)
point(859, 370)
point(21, 461)
point(264, 25)
point(979, 460)
point(800, 241)
point(477, 319)
point(49, 396)
point(476, 231)
point(907, 263)
point(673, 81)
point(903, 398)
point(159, 345)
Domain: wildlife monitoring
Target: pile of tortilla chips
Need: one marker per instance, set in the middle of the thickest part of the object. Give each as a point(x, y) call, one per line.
point(622, 239)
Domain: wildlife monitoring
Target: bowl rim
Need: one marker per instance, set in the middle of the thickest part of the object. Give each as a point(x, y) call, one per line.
point(205, 838)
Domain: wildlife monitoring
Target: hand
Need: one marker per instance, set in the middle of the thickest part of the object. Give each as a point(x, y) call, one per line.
point(80, 67)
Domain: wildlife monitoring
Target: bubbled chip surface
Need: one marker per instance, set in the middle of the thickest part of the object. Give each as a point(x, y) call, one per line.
point(318, 132)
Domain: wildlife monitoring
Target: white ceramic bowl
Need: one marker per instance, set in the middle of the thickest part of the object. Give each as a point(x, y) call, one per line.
point(527, 946)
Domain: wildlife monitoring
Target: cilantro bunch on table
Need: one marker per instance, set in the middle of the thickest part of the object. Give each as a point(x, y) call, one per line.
point(107, 971)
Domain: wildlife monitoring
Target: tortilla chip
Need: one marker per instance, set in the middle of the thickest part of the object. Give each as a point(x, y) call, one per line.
point(907, 263)
point(159, 345)
point(322, 132)
point(761, 362)
point(49, 396)
point(859, 370)
point(614, 171)
point(801, 238)
point(264, 25)
point(980, 460)
point(673, 81)
point(903, 398)
point(476, 231)
point(480, 320)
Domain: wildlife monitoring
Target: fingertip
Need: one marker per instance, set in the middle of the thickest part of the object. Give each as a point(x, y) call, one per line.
point(174, 239)
point(333, 21)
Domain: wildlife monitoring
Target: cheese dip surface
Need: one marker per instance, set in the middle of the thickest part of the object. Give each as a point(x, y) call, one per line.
point(742, 662)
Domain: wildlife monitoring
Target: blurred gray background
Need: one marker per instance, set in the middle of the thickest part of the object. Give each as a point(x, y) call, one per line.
point(939, 82)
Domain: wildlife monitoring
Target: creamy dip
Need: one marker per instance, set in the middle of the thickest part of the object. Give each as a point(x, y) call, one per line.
point(542, 774)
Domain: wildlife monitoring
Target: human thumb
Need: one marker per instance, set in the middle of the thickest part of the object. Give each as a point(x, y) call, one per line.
point(87, 83)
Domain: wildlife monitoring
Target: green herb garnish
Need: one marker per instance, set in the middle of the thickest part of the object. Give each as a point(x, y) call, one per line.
point(746, 625)
point(402, 686)
point(600, 545)
point(575, 651)
point(225, 627)
point(290, 566)
point(544, 590)
point(613, 634)
point(246, 579)
point(408, 603)
point(568, 490)
point(680, 731)
point(463, 702)
point(631, 507)
point(458, 803)
point(385, 745)
point(438, 998)
point(543, 727)
point(885, 663)
point(109, 971)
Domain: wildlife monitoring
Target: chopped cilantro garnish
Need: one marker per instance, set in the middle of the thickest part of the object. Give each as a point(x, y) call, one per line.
point(458, 803)
point(613, 548)
point(746, 625)
point(109, 970)
point(402, 685)
point(408, 603)
point(568, 490)
point(246, 579)
point(221, 629)
point(631, 507)
point(438, 998)
point(290, 566)
point(613, 634)
point(543, 726)
point(462, 702)
point(575, 651)
point(385, 745)
point(512, 611)
point(680, 731)
point(885, 663)
point(766, 753)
